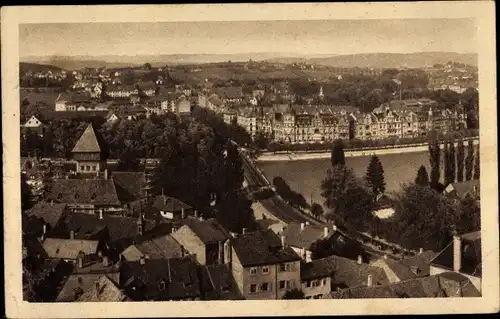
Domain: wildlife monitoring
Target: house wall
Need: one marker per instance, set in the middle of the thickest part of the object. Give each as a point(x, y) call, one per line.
point(323, 287)
point(258, 279)
point(292, 276)
point(476, 281)
point(237, 271)
point(187, 238)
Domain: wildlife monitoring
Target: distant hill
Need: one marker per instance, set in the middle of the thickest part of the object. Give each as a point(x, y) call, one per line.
point(396, 60)
point(35, 67)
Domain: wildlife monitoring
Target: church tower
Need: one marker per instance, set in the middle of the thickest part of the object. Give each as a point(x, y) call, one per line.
point(90, 152)
point(320, 94)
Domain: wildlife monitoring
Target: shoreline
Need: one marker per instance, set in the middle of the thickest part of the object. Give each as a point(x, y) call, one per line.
point(302, 156)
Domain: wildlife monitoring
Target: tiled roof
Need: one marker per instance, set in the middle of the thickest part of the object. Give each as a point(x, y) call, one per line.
point(170, 204)
point(230, 92)
point(156, 248)
point(262, 248)
point(89, 142)
point(103, 289)
point(129, 185)
point(442, 285)
point(179, 276)
point(77, 284)
point(303, 238)
point(69, 248)
point(209, 231)
point(84, 191)
point(346, 272)
point(222, 285)
point(51, 213)
point(471, 255)
point(419, 264)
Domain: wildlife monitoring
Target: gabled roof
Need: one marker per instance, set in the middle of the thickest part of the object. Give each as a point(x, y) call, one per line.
point(345, 271)
point(209, 231)
point(129, 185)
point(170, 204)
point(51, 213)
point(77, 284)
point(262, 248)
point(303, 238)
point(104, 289)
point(69, 248)
point(471, 255)
point(84, 191)
point(160, 247)
point(179, 276)
point(89, 142)
point(219, 283)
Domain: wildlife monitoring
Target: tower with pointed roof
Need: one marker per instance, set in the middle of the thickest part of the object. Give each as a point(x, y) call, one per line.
point(320, 94)
point(90, 152)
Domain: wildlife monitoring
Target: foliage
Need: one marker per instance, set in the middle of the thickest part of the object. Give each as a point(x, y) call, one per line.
point(448, 179)
point(235, 212)
point(469, 161)
point(317, 210)
point(338, 156)
point(26, 195)
point(294, 294)
point(424, 218)
point(294, 198)
point(434, 159)
point(477, 165)
point(460, 160)
point(349, 198)
point(375, 175)
point(422, 178)
point(128, 161)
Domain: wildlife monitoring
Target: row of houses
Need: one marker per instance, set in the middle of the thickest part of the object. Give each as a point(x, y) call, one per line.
point(316, 123)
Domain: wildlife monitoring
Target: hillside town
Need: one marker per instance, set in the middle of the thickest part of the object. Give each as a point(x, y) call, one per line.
point(138, 185)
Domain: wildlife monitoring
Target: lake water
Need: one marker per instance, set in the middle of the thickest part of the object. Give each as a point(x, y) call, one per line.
point(305, 176)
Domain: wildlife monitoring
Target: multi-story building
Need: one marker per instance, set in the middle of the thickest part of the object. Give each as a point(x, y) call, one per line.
point(247, 118)
point(263, 266)
point(121, 91)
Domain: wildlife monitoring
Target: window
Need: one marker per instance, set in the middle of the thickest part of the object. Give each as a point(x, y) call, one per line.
point(93, 167)
point(253, 271)
point(265, 270)
point(264, 287)
point(282, 284)
point(88, 168)
point(253, 288)
point(308, 284)
point(323, 282)
point(162, 285)
point(315, 283)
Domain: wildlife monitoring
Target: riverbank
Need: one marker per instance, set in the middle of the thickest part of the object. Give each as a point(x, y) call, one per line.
point(300, 156)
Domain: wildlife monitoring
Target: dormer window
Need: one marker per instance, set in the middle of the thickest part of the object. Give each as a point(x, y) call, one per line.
point(92, 197)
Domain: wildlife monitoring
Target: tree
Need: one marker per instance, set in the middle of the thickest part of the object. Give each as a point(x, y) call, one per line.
point(375, 175)
point(434, 159)
point(294, 294)
point(128, 161)
point(460, 160)
point(424, 218)
point(338, 156)
point(452, 164)
point(477, 164)
point(447, 164)
point(317, 210)
point(349, 198)
point(235, 212)
point(422, 178)
point(147, 66)
point(469, 161)
point(26, 195)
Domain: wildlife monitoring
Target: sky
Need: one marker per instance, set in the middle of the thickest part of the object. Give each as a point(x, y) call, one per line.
point(299, 37)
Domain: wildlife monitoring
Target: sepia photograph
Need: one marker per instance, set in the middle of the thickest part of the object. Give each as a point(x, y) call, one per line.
point(263, 159)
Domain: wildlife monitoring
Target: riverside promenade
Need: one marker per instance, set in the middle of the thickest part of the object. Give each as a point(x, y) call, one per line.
point(299, 156)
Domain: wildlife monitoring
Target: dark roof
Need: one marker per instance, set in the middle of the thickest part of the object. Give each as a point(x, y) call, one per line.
point(442, 285)
point(345, 271)
point(103, 289)
point(129, 185)
point(59, 115)
point(169, 204)
point(464, 189)
point(81, 283)
point(209, 231)
point(419, 264)
point(50, 213)
point(219, 283)
point(303, 238)
point(178, 274)
point(159, 247)
point(69, 248)
point(88, 142)
point(262, 248)
point(471, 255)
point(230, 92)
point(84, 191)
point(118, 227)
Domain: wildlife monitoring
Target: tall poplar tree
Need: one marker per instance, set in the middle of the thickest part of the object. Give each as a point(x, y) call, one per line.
point(375, 175)
point(338, 156)
point(435, 161)
point(476, 164)
point(453, 166)
point(460, 160)
point(469, 161)
point(446, 164)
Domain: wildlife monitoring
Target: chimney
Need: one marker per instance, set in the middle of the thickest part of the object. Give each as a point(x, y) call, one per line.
point(420, 251)
point(457, 253)
point(80, 261)
point(385, 256)
point(183, 214)
point(221, 253)
point(183, 252)
point(369, 281)
point(71, 234)
point(243, 231)
point(302, 226)
point(283, 241)
point(307, 223)
point(325, 232)
point(105, 261)
point(360, 259)
point(143, 260)
point(195, 213)
point(52, 202)
point(100, 214)
point(105, 173)
point(44, 229)
point(334, 227)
